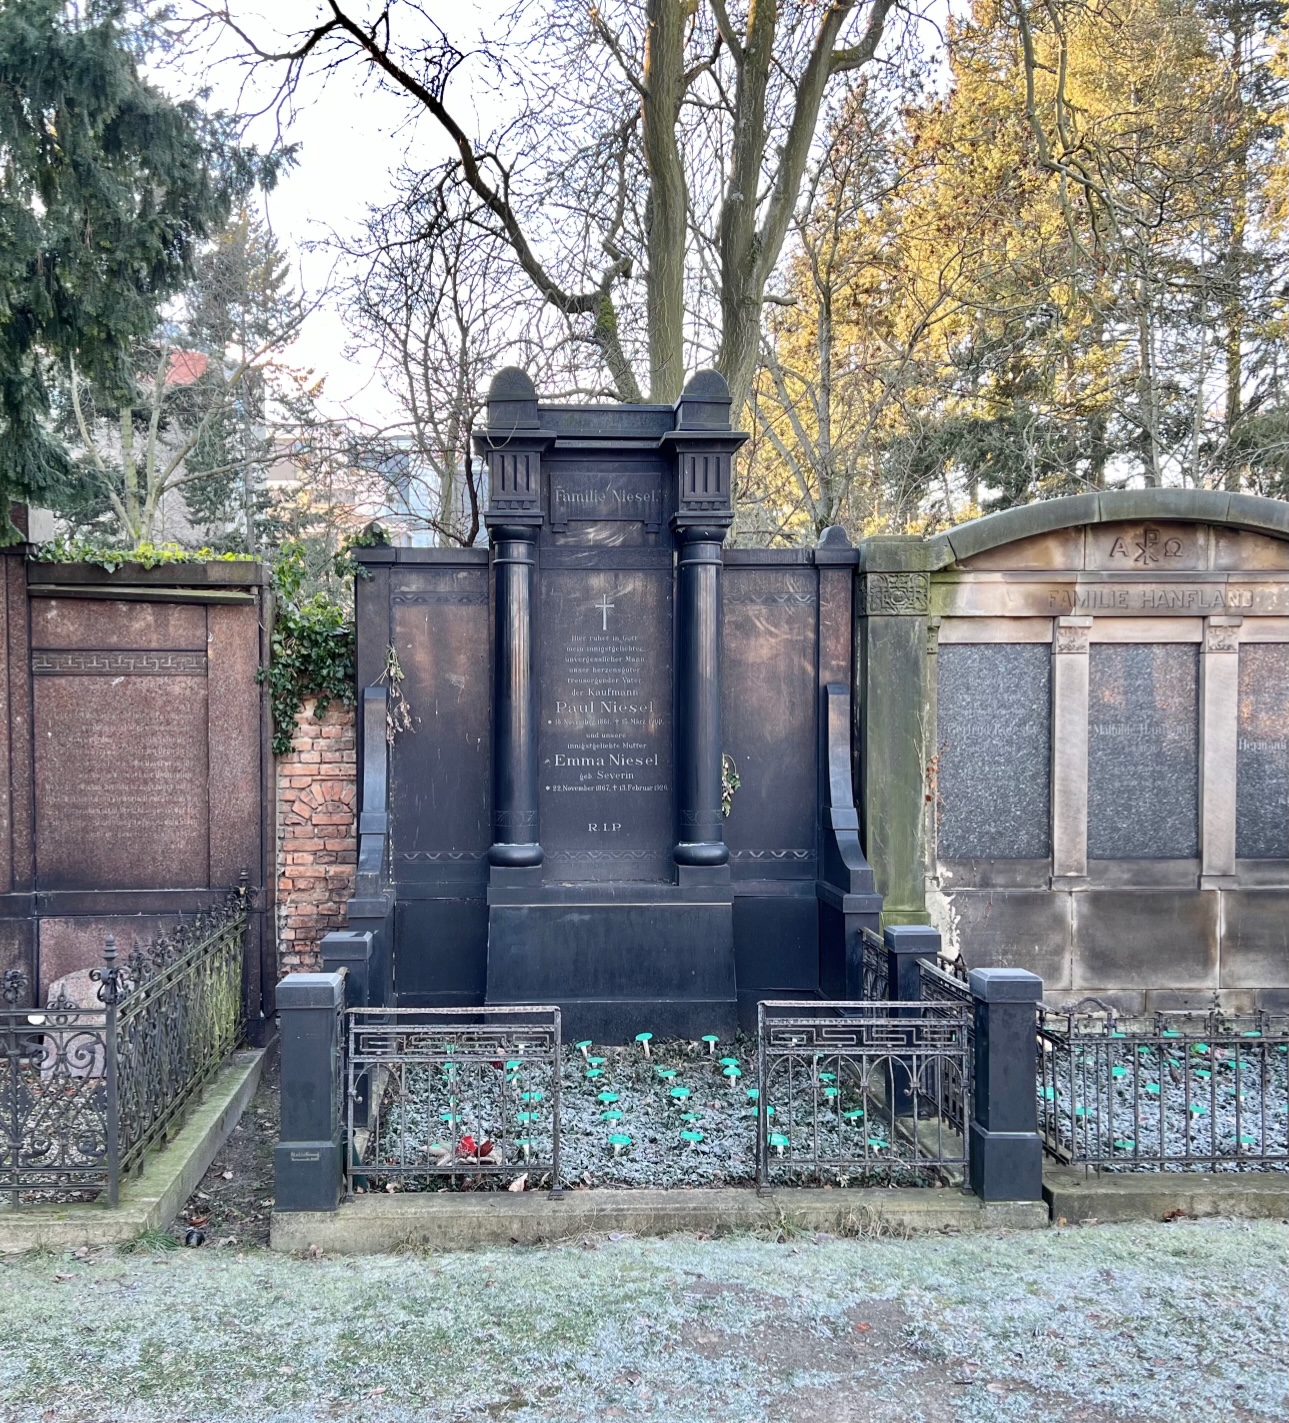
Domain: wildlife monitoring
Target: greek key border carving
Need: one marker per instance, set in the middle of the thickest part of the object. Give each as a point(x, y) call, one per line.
point(115, 663)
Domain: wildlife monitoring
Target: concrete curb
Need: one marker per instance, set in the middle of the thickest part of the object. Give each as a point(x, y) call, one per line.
point(152, 1200)
point(442, 1220)
point(1158, 1195)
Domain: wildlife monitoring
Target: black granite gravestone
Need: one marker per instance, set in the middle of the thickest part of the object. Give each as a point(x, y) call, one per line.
point(552, 828)
point(609, 890)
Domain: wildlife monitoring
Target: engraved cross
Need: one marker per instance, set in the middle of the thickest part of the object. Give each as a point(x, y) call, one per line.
point(603, 606)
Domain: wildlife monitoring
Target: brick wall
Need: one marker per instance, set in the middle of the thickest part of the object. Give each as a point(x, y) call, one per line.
point(317, 845)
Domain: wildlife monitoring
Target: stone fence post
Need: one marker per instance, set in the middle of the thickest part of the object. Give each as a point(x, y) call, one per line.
point(906, 946)
point(1005, 1149)
point(307, 1160)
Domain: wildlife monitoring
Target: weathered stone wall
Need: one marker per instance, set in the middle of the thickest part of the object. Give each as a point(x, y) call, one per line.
point(317, 796)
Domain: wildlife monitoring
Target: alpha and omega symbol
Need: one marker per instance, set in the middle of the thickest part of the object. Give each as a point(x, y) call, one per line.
point(1150, 548)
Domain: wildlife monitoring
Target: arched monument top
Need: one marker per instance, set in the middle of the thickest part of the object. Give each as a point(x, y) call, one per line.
point(1201, 506)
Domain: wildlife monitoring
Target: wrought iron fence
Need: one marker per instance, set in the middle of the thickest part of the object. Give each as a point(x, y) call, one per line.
point(1173, 1091)
point(943, 983)
point(85, 1091)
point(454, 1092)
point(858, 1092)
point(876, 967)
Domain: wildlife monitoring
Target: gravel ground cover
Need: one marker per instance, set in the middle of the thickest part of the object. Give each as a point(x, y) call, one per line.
point(1180, 1322)
point(682, 1114)
point(1129, 1104)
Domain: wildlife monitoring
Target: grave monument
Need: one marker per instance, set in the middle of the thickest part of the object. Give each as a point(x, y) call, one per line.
point(561, 825)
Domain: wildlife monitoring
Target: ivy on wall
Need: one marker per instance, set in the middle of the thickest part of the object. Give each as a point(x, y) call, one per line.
point(311, 652)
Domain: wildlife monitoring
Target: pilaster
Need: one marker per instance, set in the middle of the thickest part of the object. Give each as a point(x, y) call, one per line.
point(891, 668)
point(1070, 752)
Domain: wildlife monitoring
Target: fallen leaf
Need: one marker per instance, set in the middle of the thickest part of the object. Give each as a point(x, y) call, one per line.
point(997, 1387)
point(62, 1278)
point(198, 1220)
point(1175, 1214)
point(228, 1175)
point(862, 1328)
point(518, 1183)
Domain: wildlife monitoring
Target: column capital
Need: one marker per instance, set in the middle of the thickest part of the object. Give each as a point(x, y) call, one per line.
point(1070, 636)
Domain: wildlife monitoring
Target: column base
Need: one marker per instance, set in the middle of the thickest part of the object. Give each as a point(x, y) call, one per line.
point(1005, 1165)
point(306, 1176)
point(515, 856)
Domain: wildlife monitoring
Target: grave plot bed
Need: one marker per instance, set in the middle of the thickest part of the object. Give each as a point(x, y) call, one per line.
point(1175, 1092)
point(678, 1115)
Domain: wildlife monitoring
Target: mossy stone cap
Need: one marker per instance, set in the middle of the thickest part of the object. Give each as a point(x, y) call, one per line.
point(512, 400)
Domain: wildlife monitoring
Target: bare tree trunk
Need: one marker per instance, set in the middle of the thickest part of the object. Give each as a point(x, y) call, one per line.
point(664, 64)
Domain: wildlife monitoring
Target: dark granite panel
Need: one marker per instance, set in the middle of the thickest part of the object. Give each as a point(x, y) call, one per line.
point(440, 770)
point(776, 944)
point(993, 739)
point(1014, 928)
point(440, 951)
point(769, 718)
point(1262, 753)
point(1134, 939)
point(605, 725)
point(1143, 751)
point(1255, 938)
point(122, 788)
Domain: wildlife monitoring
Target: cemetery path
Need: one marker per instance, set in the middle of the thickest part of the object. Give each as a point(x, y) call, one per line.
point(1182, 1322)
point(234, 1202)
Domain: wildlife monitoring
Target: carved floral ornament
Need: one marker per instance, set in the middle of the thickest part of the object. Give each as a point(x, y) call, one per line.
point(899, 594)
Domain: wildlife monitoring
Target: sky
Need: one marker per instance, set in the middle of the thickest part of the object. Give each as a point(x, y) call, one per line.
point(352, 140)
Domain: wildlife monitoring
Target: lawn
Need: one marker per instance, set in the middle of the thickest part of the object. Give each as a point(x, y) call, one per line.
point(1179, 1321)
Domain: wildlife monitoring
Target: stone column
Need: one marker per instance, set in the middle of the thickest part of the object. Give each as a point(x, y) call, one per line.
point(513, 443)
point(891, 670)
point(700, 826)
point(515, 835)
point(704, 447)
point(1219, 734)
point(1070, 753)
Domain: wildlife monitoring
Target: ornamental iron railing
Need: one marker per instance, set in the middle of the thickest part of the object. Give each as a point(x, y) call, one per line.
point(452, 1093)
point(849, 1093)
point(1174, 1091)
point(87, 1091)
point(876, 967)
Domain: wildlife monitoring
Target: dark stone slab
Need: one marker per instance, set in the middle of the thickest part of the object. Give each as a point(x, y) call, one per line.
point(993, 747)
point(439, 780)
point(1262, 753)
point(1255, 938)
point(1137, 939)
point(605, 716)
point(442, 952)
point(1143, 751)
point(770, 720)
point(618, 969)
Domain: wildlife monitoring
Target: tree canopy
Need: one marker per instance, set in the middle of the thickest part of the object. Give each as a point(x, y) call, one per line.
point(108, 188)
